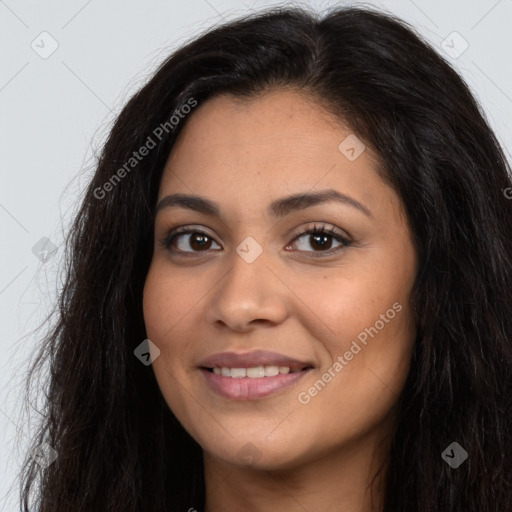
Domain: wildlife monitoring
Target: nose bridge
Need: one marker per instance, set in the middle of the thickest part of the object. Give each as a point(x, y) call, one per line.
point(248, 291)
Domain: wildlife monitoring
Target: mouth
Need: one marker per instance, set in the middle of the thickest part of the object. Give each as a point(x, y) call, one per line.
point(254, 372)
point(253, 375)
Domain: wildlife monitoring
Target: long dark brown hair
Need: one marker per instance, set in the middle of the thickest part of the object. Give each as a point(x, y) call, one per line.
point(119, 446)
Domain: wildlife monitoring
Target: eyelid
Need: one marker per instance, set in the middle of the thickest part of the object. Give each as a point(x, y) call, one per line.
point(326, 228)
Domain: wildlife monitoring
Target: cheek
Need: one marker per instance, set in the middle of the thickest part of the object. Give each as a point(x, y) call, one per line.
point(165, 312)
point(365, 368)
point(168, 299)
point(365, 324)
point(346, 304)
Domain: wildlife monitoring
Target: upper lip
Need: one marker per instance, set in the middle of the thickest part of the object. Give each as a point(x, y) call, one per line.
point(252, 359)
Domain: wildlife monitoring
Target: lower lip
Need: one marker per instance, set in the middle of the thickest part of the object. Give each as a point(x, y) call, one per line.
point(246, 388)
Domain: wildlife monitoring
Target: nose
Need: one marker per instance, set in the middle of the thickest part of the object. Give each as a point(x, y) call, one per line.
point(249, 295)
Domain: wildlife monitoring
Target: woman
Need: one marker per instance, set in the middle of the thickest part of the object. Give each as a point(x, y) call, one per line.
point(289, 285)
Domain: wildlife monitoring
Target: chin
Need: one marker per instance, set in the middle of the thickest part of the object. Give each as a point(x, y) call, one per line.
point(258, 452)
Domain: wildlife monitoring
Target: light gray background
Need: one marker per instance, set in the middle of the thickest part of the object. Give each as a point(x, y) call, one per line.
point(56, 111)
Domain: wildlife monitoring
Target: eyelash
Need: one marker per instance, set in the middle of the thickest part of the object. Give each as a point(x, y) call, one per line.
point(168, 240)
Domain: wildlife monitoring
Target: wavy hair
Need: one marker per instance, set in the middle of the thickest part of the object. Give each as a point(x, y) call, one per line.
point(119, 446)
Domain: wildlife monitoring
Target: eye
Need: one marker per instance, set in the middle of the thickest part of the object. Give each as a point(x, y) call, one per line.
point(200, 241)
point(186, 240)
point(321, 239)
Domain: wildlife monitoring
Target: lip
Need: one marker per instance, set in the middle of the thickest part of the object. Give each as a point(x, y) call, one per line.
point(246, 388)
point(251, 359)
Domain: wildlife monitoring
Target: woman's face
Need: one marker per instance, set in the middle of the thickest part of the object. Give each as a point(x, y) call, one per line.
point(251, 294)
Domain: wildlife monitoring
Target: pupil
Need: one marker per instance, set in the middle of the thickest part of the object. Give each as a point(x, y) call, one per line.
point(200, 241)
point(324, 244)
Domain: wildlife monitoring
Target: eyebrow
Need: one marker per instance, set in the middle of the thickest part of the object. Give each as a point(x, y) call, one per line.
point(278, 208)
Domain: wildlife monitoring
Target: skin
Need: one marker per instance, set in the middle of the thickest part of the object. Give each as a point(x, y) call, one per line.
point(244, 154)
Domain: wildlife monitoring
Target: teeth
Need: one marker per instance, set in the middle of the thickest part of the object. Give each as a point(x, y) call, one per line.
point(255, 372)
point(271, 371)
point(238, 373)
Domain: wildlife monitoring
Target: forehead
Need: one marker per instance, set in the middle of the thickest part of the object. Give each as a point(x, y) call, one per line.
point(283, 124)
point(278, 143)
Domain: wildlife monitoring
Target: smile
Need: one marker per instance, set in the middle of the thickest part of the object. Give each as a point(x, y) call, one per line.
point(251, 375)
point(254, 372)
point(240, 385)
